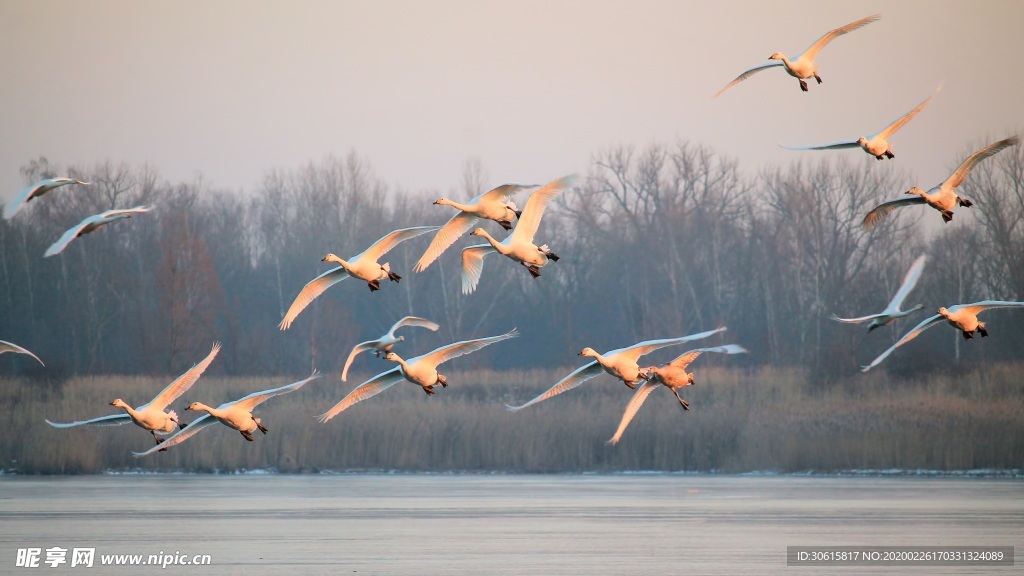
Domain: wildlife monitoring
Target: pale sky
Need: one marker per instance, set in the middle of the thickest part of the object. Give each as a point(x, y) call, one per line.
point(230, 89)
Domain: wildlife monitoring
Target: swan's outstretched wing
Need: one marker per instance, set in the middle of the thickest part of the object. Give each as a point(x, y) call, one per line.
point(182, 383)
point(193, 428)
point(684, 359)
point(812, 52)
point(979, 307)
point(414, 321)
point(446, 353)
point(882, 210)
point(385, 244)
point(830, 146)
point(459, 225)
point(112, 420)
point(256, 398)
point(529, 221)
point(91, 224)
point(858, 320)
point(310, 291)
point(368, 389)
point(914, 333)
point(748, 73)
point(902, 121)
point(578, 376)
point(909, 281)
point(503, 193)
point(639, 349)
point(473, 265)
point(358, 349)
point(11, 347)
point(34, 191)
point(642, 392)
point(966, 166)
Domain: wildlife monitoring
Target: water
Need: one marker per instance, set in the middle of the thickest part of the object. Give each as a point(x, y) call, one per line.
point(501, 524)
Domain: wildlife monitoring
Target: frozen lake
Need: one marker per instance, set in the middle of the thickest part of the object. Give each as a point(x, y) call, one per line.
point(501, 524)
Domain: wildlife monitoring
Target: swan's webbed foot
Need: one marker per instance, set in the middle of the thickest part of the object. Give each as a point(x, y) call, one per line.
point(982, 331)
point(442, 381)
point(630, 385)
point(394, 277)
point(260, 426)
point(889, 154)
point(818, 78)
point(964, 202)
point(968, 335)
point(429, 390)
point(374, 286)
point(246, 435)
point(879, 157)
point(552, 256)
point(519, 213)
point(505, 224)
point(683, 403)
point(803, 86)
point(947, 215)
point(159, 441)
point(534, 271)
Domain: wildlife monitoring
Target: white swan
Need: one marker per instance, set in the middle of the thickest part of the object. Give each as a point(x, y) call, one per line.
point(35, 191)
point(942, 197)
point(11, 347)
point(236, 415)
point(621, 363)
point(802, 67)
point(892, 311)
point(421, 370)
point(877, 144)
point(92, 224)
point(673, 376)
point(363, 266)
point(152, 416)
point(963, 317)
point(385, 343)
point(519, 244)
point(493, 205)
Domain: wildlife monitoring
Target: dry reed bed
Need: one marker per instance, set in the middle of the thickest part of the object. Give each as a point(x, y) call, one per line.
point(767, 419)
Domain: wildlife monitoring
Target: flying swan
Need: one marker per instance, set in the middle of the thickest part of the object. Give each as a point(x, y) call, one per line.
point(385, 343)
point(674, 376)
point(11, 347)
point(942, 197)
point(802, 67)
point(892, 311)
point(35, 191)
point(92, 224)
point(621, 363)
point(877, 144)
point(363, 266)
point(494, 205)
point(421, 371)
point(152, 416)
point(963, 317)
point(236, 415)
point(518, 245)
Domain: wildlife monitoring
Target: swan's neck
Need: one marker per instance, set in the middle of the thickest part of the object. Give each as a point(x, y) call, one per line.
point(341, 263)
point(131, 412)
point(494, 243)
point(200, 406)
point(460, 206)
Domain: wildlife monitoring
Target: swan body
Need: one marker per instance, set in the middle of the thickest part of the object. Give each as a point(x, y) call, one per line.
point(92, 224)
point(620, 363)
point(892, 312)
point(518, 245)
point(802, 67)
point(385, 343)
point(11, 347)
point(152, 416)
point(363, 266)
point(236, 415)
point(35, 191)
point(493, 205)
point(942, 197)
point(673, 376)
point(877, 144)
point(963, 317)
point(421, 370)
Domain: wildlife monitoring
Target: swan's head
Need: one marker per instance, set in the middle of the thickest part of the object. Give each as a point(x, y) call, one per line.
point(119, 403)
point(443, 201)
point(776, 56)
point(944, 312)
point(194, 406)
point(401, 338)
point(392, 357)
point(915, 191)
point(478, 232)
point(588, 352)
point(862, 141)
point(331, 258)
point(689, 379)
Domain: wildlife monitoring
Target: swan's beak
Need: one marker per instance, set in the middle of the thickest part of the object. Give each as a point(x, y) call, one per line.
point(435, 202)
point(112, 404)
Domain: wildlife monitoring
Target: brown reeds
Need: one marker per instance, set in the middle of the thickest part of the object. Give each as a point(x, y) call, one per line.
point(767, 419)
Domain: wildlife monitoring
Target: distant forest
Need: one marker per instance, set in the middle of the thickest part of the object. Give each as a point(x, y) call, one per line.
point(657, 242)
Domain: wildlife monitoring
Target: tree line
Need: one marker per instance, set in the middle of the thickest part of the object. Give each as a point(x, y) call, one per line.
point(655, 242)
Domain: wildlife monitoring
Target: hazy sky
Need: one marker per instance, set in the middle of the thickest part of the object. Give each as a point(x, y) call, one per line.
point(230, 89)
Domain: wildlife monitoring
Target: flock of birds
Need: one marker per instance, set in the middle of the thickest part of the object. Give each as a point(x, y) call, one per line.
point(519, 246)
